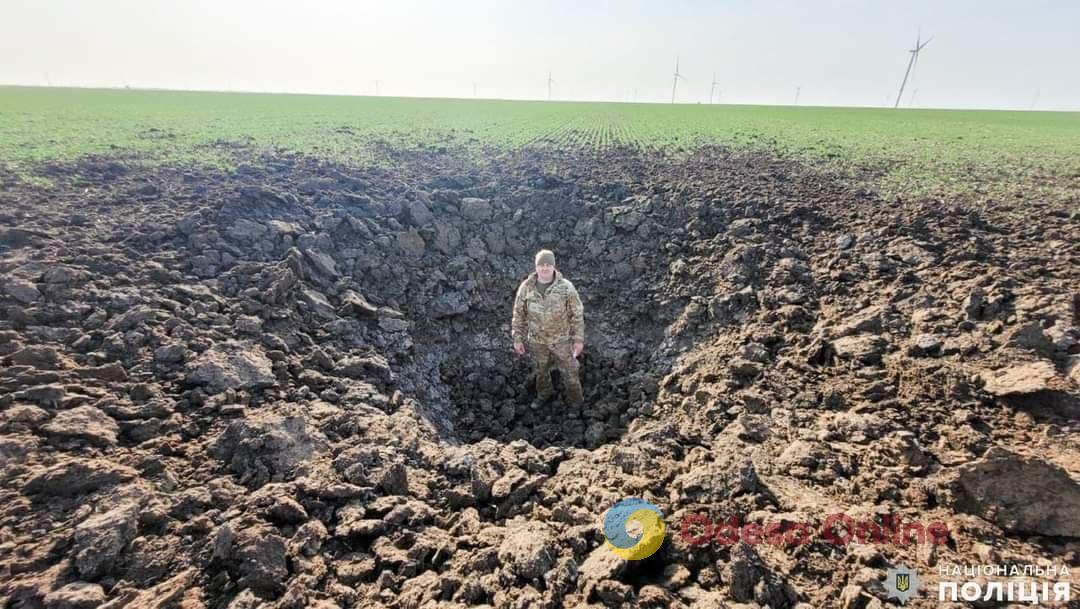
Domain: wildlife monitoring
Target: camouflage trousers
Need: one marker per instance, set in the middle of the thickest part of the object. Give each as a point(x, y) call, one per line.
point(561, 357)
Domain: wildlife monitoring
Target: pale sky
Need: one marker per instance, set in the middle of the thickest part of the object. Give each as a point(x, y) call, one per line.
point(984, 53)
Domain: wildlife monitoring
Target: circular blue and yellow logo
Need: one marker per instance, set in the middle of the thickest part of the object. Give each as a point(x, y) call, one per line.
point(641, 545)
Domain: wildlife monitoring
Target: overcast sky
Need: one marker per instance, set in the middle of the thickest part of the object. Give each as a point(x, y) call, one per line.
point(984, 53)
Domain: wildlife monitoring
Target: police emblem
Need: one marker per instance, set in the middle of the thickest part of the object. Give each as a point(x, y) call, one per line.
point(902, 583)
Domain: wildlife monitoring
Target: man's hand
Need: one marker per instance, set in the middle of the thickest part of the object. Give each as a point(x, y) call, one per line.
point(578, 347)
point(519, 348)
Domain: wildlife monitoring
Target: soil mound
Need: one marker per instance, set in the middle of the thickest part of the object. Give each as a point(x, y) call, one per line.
point(292, 384)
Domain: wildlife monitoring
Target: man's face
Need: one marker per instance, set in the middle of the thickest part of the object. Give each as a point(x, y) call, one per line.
point(545, 272)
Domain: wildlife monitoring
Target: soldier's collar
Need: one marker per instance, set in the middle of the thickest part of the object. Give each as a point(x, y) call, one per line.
point(554, 278)
point(535, 279)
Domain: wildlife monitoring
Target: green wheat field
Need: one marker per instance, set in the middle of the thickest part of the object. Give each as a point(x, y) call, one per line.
point(917, 153)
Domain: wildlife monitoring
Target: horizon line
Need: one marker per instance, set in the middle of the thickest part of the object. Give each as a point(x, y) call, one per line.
point(511, 99)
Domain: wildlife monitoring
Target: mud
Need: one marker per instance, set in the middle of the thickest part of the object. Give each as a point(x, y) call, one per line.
point(292, 384)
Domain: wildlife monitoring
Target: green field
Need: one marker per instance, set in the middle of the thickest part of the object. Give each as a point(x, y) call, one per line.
point(912, 153)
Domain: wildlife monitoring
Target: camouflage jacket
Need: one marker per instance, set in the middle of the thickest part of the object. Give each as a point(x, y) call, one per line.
point(551, 318)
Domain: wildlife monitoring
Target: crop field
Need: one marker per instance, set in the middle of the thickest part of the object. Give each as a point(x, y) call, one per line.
point(902, 152)
point(259, 351)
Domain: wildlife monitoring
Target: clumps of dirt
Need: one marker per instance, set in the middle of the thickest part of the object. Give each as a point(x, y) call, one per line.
point(292, 384)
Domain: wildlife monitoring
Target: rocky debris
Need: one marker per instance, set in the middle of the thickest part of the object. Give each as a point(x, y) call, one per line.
point(77, 476)
point(411, 243)
point(160, 596)
point(100, 539)
point(51, 395)
point(1022, 494)
point(626, 217)
point(751, 581)
point(1073, 369)
point(173, 353)
point(248, 230)
point(106, 372)
point(867, 320)
point(733, 307)
point(450, 303)
point(23, 415)
point(41, 357)
point(60, 276)
point(863, 348)
point(249, 324)
point(266, 447)
point(601, 564)
point(926, 344)
point(288, 510)
point(18, 237)
point(322, 262)
point(21, 290)
point(258, 556)
point(716, 483)
point(76, 595)
point(419, 213)
point(365, 367)
point(476, 209)
point(83, 423)
point(133, 318)
point(308, 539)
point(527, 550)
point(231, 365)
point(353, 303)
point(307, 389)
point(1030, 336)
point(374, 466)
point(1019, 379)
point(318, 303)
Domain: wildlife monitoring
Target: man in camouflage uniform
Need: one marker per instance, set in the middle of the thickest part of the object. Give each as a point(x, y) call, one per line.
point(549, 324)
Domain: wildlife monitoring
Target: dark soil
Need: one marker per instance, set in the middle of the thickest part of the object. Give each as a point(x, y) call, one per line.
point(292, 384)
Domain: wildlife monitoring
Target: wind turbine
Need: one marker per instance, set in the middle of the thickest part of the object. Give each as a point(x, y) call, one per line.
point(474, 89)
point(675, 81)
point(798, 89)
point(911, 64)
point(713, 87)
point(376, 88)
point(549, 83)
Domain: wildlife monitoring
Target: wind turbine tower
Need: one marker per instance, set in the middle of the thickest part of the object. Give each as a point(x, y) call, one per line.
point(675, 81)
point(919, 44)
point(712, 89)
point(549, 83)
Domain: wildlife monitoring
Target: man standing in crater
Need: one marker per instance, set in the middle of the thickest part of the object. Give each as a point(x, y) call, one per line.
point(549, 323)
